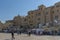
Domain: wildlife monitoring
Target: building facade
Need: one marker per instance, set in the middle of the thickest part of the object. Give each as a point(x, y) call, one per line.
point(43, 16)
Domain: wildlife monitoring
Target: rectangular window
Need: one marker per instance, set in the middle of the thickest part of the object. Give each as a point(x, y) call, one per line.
point(46, 13)
point(57, 5)
point(57, 10)
point(25, 19)
point(38, 14)
point(31, 24)
point(38, 18)
point(52, 11)
point(56, 17)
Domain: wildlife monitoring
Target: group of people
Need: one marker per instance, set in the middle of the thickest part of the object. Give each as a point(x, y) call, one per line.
point(19, 32)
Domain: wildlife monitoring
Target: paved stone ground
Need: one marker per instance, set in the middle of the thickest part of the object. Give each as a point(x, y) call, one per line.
point(7, 36)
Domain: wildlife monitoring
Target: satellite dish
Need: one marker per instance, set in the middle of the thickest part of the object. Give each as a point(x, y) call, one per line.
point(47, 23)
point(55, 21)
point(40, 25)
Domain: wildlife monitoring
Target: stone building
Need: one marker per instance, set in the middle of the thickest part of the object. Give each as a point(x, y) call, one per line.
point(36, 17)
point(17, 20)
point(7, 24)
point(43, 16)
point(1, 25)
point(20, 21)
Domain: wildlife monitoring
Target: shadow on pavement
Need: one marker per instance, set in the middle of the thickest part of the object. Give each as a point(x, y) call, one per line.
point(7, 39)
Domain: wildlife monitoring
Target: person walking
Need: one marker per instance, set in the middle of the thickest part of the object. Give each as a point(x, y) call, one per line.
point(12, 34)
point(29, 32)
point(20, 31)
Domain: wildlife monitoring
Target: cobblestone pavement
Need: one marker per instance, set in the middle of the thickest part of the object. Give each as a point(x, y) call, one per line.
point(7, 36)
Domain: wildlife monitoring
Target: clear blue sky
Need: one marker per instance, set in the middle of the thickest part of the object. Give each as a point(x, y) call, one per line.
point(11, 8)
